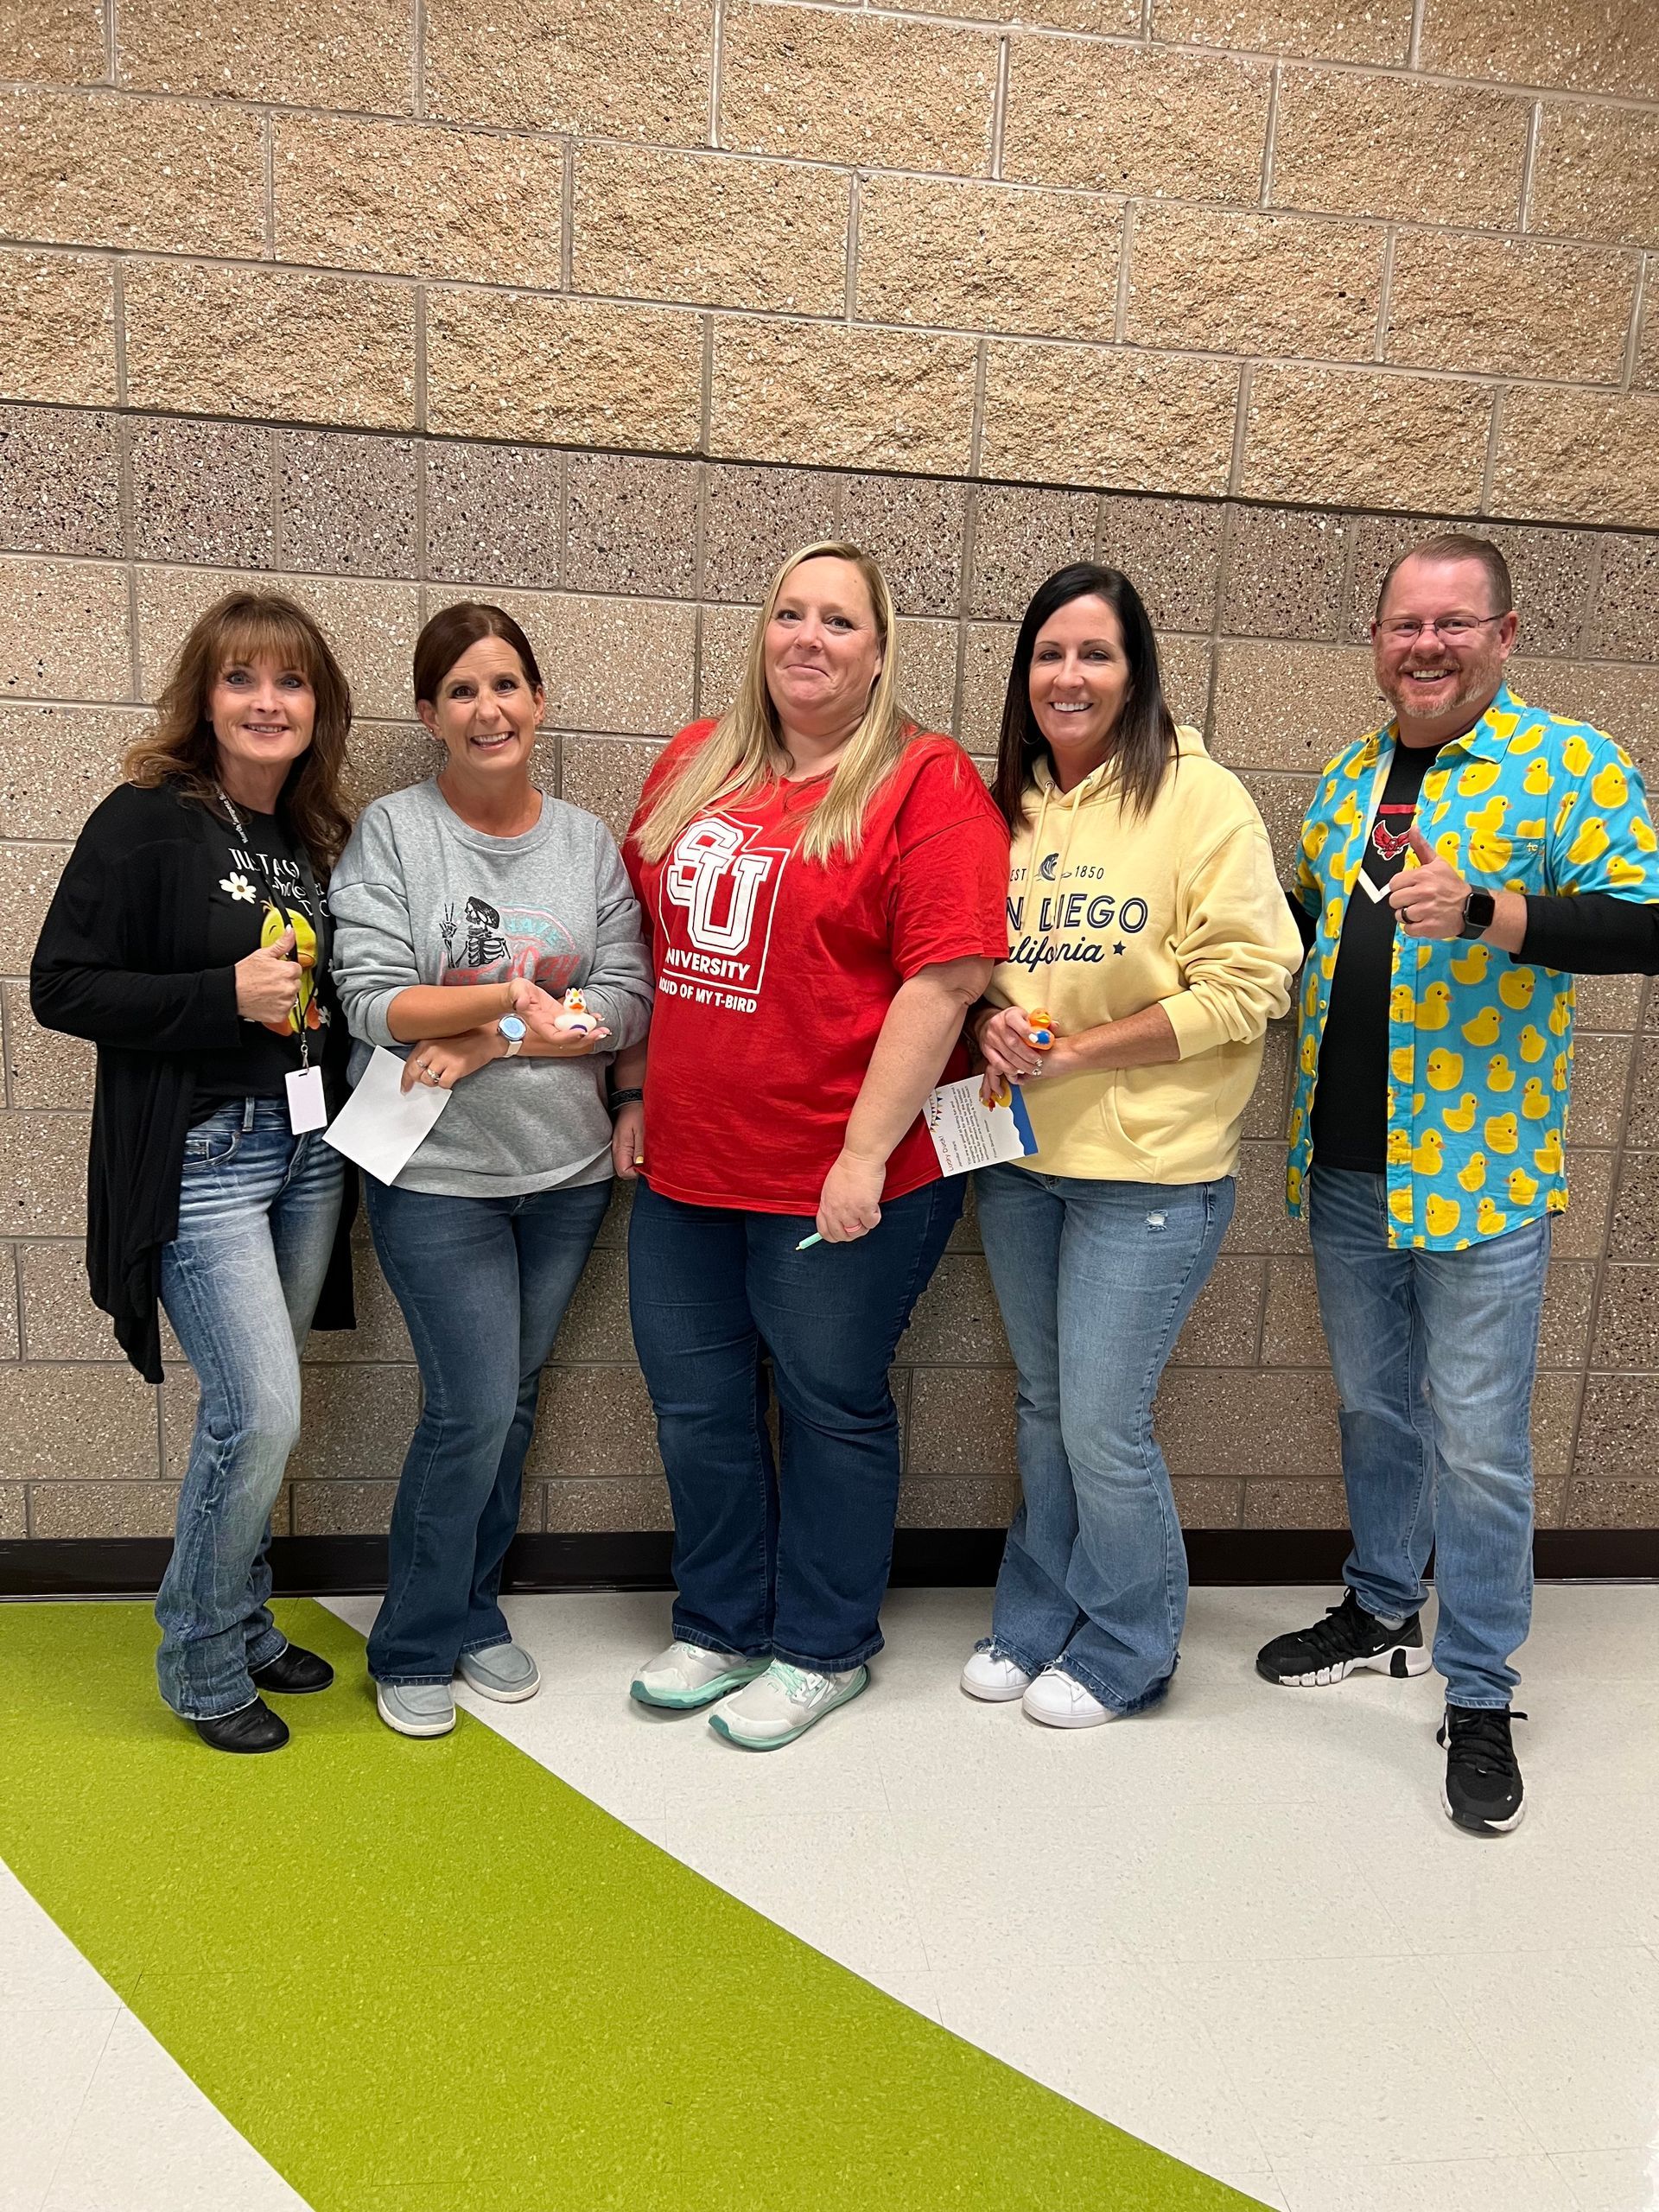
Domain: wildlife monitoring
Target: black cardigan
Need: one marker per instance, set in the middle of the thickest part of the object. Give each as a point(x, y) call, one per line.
point(120, 961)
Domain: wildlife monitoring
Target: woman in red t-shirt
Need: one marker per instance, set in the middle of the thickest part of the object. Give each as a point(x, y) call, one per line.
point(824, 889)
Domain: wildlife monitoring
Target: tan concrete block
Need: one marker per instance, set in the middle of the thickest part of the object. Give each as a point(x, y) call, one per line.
point(343, 1508)
point(60, 40)
point(726, 632)
point(1235, 283)
point(347, 502)
point(926, 662)
point(1618, 1430)
point(1608, 1002)
point(583, 1508)
point(9, 1342)
point(1255, 1426)
point(631, 525)
point(1203, 1504)
point(856, 88)
point(842, 398)
point(1647, 359)
point(1022, 535)
point(1518, 308)
point(13, 1511)
point(1171, 551)
point(956, 1321)
point(959, 1501)
point(1618, 697)
point(604, 774)
point(754, 517)
point(384, 757)
point(57, 328)
point(1285, 568)
point(372, 626)
point(1331, 436)
point(1552, 571)
point(44, 1068)
point(94, 1508)
point(1554, 1414)
point(1290, 1502)
point(1601, 1071)
point(1582, 1231)
point(1625, 621)
point(1184, 664)
point(1270, 1107)
point(500, 365)
point(915, 529)
point(987, 657)
point(1292, 1335)
point(1260, 1222)
point(594, 1420)
point(270, 343)
point(1282, 802)
point(43, 1174)
point(610, 664)
point(56, 762)
point(348, 54)
point(1589, 46)
point(1577, 454)
point(1549, 1503)
point(1326, 30)
point(94, 168)
point(595, 1324)
point(1136, 120)
point(493, 514)
point(1611, 1504)
point(418, 200)
point(201, 491)
point(637, 69)
point(1106, 18)
point(1221, 1330)
point(60, 1319)
point(986, 256)
point(710, 229)
point(1596, 175)
point(1393, 148)
point(1627, 1319)
point(63, 630)
point(77, 1421)
point(961, 1421)
point(1138, 422)
point(380, 1337)
point(60, 482)
point(355, 1422)
point(1291, 706)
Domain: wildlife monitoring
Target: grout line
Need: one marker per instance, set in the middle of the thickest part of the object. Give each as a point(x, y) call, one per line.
point(1125, 249)
point(274, 442)
point(1493, 432)
point(417, 59)
point(568, 217)
point(118, 292)
point(1641, 305)
point(1241, 420)
point(1270, 141)
point(706, 418)
point(1529, 163)
point(1218, 604)
point(716, 70)
point(112, 44)
point(1000, 103)
point(418, 396)
point(1415, 43)
point(1384, 297)
point(562, 522)
point(269, 123)
point(977, 439)
point(854, 200)
point(422, 551)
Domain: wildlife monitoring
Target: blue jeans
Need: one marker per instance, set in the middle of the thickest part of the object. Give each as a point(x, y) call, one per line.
point(258, 1210)
point(1095, 1280)
point(1434, 1354)
point(802, 1578)
point(483, 1284)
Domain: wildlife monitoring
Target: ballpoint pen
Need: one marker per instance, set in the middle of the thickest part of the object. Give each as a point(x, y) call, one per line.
point(813, 1239)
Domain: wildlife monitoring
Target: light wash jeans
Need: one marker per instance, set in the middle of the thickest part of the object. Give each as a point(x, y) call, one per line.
point(258, 1210)
point(1434, 1354)
point(1095, 1280)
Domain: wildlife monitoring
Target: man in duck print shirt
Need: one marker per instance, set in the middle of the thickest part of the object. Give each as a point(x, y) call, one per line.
point(1458, 867)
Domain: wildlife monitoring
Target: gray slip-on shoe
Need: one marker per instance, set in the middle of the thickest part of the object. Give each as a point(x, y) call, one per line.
point(416, 1708)
point(504, 1671)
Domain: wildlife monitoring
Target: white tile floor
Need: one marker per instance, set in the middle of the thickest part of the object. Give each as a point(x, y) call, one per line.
point(1241, 1927)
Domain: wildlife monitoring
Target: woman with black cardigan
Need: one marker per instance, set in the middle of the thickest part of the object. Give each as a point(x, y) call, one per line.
point(189, 940)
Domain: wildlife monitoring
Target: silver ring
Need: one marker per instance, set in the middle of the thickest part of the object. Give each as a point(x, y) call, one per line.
point(427, 1075)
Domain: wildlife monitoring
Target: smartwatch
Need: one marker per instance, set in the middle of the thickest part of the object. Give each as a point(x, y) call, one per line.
point(512, 1028)
point(1478, 910)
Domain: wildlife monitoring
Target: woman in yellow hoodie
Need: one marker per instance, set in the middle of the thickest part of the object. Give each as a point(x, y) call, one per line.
point(1148, 930)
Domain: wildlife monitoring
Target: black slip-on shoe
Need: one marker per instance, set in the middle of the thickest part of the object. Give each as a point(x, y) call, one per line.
point(293, 1672)
point(254, 1728)
point(1482, 1790)
point(1347, 1638)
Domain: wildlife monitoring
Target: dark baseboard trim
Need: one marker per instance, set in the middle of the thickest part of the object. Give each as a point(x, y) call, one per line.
point(304, 1566)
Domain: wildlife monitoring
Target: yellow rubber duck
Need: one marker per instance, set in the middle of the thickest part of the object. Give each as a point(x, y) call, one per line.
point(1609, 786)
point(1401, 1006)
point(1471, 968)
point(1536, 1102)
point(1489, 1220)
point(1560, 1069)
point(1619, 870)
point(1560, 1016)
point(1500, 1075)
point(1399, 1150)
point(1536, 781)
point(1563, 812)
point(1533, 1043)
point(1434, 1008)
point(1400, 1204)
point(1441, 1215)
point(1460, 1117)
point(1310, 1054)
point(1575, 756)
point(1314, 838)
point(1434, 784)
point(1522, 1188)
point(1548, 1158)
point(1479, 776)
point(1488, 852)
point(1590, 844)
point(1493, 814)
point(1483, 1028)
point(1641, 834)
point(1428, 1157)
point(1444, 1070)
point(1446, 846)
point(1533, 827)
point(1503, 1133)
point(1401, 1063)
point(1516, 987)
point(1472, 1174)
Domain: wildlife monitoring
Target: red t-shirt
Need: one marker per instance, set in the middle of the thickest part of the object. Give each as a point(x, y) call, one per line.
point(774, 974)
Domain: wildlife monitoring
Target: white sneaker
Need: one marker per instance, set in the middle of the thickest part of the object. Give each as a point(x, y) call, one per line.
point(993, 1676)
point(686, 1675)
point(783, 1704)
point(1058, 1702)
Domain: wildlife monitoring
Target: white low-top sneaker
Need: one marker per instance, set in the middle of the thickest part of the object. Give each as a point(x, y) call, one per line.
point(783, 1704)
point(686, 1675)
point(1058, 1702)
point(993, 1676)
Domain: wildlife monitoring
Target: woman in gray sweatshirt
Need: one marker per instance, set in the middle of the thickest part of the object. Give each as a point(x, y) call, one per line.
point(489, 932)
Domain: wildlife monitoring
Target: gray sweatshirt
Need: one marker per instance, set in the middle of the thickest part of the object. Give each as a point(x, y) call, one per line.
point(419, 897)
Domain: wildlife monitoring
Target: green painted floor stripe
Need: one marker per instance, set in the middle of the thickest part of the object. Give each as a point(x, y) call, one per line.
point(432, 1978)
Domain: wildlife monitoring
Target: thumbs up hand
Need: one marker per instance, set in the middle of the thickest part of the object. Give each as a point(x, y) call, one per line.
point(1427, 900)
point(268, 982)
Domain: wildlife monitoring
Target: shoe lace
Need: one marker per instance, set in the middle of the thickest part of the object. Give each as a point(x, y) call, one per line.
point(1481, 1740)
point(1342, 1633)
point(801, 1685)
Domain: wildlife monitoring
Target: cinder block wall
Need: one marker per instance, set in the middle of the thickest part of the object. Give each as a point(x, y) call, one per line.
point(598, 305)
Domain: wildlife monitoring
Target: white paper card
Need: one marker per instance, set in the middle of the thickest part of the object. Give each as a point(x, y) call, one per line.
point(968, 1134)
point(382, 1127)
point(308, 1109)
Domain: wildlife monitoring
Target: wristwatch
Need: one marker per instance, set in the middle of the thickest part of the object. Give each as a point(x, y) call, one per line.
point(1479, 909)
point(511, 1028)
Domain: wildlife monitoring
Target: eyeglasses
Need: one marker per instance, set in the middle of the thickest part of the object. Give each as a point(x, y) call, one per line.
point(1452, 629)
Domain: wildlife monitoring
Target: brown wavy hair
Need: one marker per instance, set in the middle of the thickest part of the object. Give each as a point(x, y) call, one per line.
point(179, 747)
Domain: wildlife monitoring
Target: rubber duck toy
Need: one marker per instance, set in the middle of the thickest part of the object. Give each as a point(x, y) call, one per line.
point(578, 1019)
point(1039, 1033)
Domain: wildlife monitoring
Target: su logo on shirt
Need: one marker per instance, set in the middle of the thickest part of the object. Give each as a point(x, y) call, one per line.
point(719, 893)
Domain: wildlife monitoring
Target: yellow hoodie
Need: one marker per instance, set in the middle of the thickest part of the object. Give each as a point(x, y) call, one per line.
point(1110, 912)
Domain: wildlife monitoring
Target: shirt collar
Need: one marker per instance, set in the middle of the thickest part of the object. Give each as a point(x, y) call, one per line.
point(1485, 742)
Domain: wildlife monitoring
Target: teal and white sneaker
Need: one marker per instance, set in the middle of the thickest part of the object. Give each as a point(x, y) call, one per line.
point(783, 1704)
point(686, 1675)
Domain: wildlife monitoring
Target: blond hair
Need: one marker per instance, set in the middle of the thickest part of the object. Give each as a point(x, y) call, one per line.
point(744, 751)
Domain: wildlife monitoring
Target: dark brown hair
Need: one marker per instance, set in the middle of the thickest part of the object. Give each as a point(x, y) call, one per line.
point(1144, 739)
point(1456, 545)
point(453, 630)
point(180, 748)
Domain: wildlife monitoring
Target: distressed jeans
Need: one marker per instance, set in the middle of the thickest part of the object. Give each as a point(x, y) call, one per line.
point(258, 1210)
point(1095, 1280)
point(1434, 1355)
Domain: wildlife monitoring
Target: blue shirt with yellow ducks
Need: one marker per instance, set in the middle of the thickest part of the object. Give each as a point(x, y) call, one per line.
point(1480, 1046)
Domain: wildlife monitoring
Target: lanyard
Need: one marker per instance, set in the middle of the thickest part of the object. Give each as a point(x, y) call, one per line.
point(310, 882)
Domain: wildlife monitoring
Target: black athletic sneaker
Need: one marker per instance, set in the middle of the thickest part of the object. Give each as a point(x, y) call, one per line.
point(1483, 1789)
point(1346, 1638)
